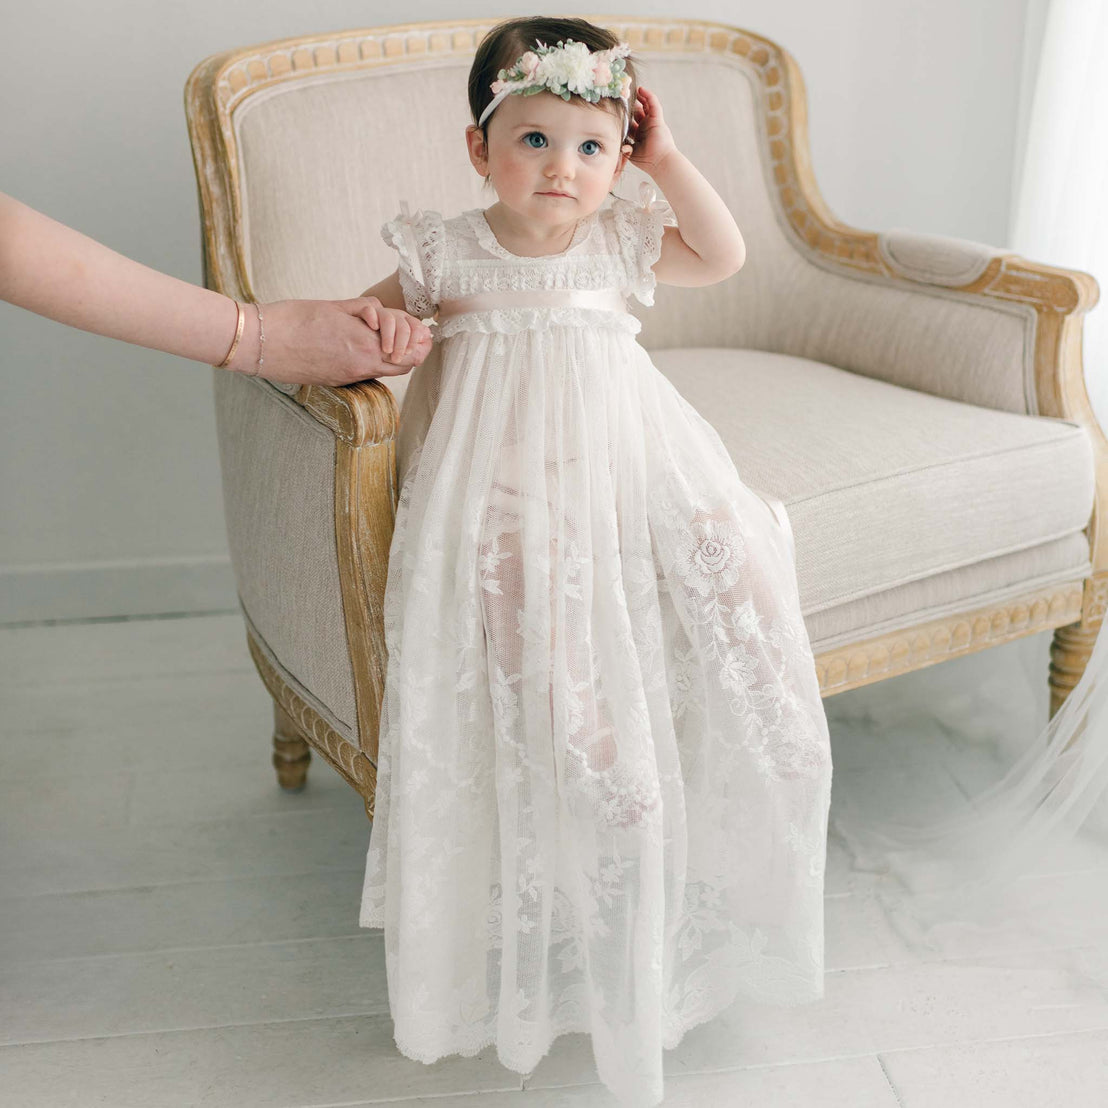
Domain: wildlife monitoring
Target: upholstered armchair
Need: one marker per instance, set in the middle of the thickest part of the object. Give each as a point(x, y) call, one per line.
point(916, 401)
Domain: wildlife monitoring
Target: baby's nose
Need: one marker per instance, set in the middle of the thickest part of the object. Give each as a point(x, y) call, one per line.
point(560, 164)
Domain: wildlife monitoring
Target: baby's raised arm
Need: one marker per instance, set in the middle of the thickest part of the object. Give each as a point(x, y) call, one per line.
point(706, 246)
point(400, 332)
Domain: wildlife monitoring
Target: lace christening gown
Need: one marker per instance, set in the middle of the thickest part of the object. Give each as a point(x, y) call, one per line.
point(604, 769)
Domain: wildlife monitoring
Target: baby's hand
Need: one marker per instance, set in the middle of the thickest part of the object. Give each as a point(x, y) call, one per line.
point(650, 135)
point(400, 333)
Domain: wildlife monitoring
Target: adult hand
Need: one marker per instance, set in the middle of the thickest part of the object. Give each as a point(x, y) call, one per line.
point(323, 342)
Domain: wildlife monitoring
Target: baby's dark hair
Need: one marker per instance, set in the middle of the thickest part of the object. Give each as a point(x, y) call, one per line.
point(507, 41)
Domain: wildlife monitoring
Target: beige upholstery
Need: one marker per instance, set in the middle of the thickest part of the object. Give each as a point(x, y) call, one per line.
point(915, 400)
point(278, 477)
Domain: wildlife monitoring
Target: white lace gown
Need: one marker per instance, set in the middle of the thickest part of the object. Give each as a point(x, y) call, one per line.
point(604, 771)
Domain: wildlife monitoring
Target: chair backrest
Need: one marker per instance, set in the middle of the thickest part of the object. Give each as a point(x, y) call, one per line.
point(305, 147)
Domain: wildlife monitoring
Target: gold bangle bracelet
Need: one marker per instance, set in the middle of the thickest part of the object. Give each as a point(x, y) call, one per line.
point(238, 335)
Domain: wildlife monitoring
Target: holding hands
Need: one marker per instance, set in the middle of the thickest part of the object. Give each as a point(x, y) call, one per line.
point(405, 340)
point(335, 342)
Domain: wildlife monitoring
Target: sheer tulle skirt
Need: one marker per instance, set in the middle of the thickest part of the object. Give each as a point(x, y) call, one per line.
point(604, 771)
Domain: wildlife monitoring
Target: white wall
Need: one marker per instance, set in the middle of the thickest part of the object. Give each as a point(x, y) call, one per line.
point(110, 493)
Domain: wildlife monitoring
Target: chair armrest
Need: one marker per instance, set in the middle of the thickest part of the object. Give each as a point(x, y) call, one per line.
point(362, 414)
point(1054, 300)
point(956, 318)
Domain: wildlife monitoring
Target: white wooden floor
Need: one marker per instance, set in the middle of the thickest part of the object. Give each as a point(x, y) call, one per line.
point(175, 930)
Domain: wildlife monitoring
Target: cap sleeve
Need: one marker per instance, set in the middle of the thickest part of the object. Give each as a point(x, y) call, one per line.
point(419, 240)
point(639, 229)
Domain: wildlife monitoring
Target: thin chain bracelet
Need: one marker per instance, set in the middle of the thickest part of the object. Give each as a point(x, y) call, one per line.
point(261, 342)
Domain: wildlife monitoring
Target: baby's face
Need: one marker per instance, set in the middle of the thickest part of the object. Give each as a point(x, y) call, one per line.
point(552, 160)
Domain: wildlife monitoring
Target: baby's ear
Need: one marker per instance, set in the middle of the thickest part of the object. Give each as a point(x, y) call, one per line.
point(478, 149)
point(621, 165)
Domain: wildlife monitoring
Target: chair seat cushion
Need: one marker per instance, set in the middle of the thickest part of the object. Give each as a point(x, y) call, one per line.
point(886, 486)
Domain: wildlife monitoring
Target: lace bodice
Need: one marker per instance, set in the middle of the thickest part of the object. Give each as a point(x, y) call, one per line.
point(450, 259)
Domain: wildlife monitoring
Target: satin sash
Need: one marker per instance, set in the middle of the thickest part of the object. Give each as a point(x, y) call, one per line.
point(610, 300)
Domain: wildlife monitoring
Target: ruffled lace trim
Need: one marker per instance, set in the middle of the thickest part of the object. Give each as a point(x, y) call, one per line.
point(510, 321)
point(479, 225)
point(639, 229)
point(420, 268)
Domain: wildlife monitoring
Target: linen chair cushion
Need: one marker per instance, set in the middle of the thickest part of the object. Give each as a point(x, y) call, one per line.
point(887, 487)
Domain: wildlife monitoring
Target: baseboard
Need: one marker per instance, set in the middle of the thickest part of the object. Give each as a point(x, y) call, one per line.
point(98, 590)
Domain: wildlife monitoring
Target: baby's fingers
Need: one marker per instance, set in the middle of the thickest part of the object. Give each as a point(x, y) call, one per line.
point(388, 332)
point(401, 336)
point(421, 334)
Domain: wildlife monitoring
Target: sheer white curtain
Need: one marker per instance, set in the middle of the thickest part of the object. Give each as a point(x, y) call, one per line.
point(1060, 208)
point(975, 869)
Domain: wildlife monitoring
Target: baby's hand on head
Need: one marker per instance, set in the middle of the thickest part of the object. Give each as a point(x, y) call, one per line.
point(400, 332)
point(650, 135)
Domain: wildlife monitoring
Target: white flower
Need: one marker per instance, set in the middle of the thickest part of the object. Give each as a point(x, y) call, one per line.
point(712, 557)
point(569, 67)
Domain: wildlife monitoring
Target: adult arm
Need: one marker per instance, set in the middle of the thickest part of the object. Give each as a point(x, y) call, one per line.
point(59, 273)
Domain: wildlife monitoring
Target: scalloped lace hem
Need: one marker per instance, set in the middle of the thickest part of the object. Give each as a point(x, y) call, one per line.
point(523, 1062)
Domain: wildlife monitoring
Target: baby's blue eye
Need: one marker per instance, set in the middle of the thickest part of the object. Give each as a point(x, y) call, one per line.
point(539, 136)
point(596, 147)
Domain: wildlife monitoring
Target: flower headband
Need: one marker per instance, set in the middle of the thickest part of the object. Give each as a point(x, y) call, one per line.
point(568, 69)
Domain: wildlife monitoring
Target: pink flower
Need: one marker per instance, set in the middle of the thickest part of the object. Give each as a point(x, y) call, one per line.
point(602, 74)
point(498, 86)
point(529, 63)
point(625, 85)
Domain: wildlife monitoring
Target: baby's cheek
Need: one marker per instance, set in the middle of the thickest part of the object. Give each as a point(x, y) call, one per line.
point(513, 171)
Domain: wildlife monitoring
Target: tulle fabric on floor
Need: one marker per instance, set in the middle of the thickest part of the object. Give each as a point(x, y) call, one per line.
point(977, 873)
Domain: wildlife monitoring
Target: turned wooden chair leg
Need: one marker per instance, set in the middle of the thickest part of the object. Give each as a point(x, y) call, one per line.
point(1069, 654)
point(291, 754)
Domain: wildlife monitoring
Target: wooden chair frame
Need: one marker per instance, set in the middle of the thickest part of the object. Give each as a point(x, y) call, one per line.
point(364, 418)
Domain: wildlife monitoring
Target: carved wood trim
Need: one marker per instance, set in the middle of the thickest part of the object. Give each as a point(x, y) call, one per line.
point(861, 663)
point(366, 493)
point(358, 770)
